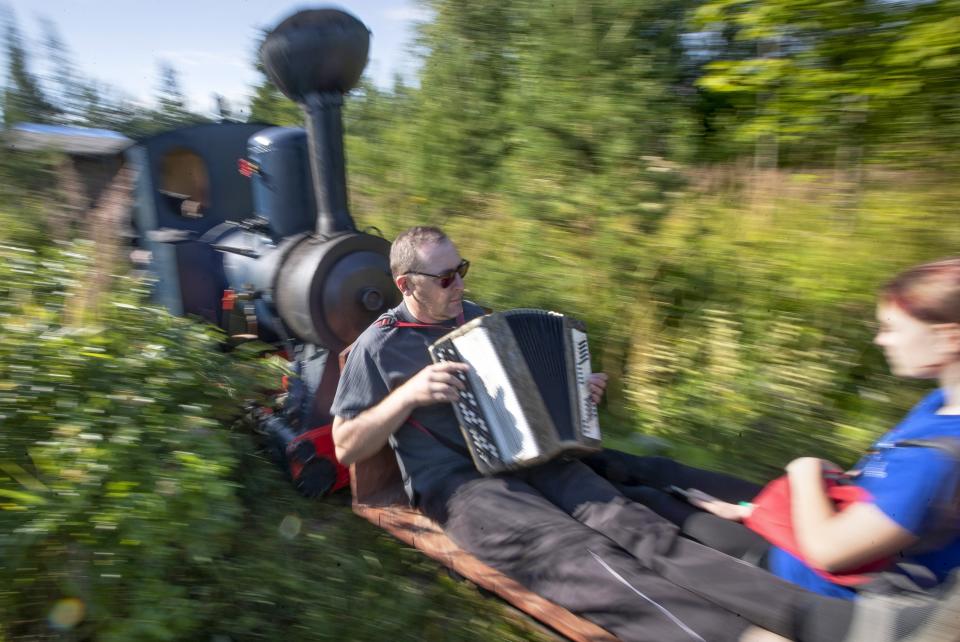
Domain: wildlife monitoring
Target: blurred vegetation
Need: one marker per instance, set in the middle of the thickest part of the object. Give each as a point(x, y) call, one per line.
point(741, 329)
point(133, 502)
point(717, 188)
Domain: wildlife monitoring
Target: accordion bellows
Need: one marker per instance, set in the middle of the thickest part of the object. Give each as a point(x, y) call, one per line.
point(527, 398)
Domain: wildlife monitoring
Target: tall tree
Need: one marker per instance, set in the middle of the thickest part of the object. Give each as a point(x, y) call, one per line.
point(171, 108)
point(382, 130)
point(23, 97)
point(832, 80)
point(921, 103)
point(468, 70)
point(69, 91)
point(598, 101)
point(268, 104)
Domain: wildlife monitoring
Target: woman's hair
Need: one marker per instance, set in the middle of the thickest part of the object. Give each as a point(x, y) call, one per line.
point(928, 292)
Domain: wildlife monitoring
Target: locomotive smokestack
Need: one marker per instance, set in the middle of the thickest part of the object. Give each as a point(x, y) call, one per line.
point(314, 57)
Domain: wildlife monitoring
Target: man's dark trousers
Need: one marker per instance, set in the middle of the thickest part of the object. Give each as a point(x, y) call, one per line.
point(567, 534)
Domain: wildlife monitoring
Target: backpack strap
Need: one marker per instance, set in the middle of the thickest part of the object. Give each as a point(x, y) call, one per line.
point(945, 525)
point(949, 445)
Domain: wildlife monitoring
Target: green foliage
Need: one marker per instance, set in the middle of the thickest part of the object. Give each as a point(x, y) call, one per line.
point(462, 129)
point(751, 402)
point(27, 188)
point(755, 345)
point(270, 106)
point(312, 570)
point(132, 508)
point(118, 486)
point(594, 111)
point(739, 329)
point(851, 79)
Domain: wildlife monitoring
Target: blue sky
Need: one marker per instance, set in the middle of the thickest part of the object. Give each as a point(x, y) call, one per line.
point(210, 42)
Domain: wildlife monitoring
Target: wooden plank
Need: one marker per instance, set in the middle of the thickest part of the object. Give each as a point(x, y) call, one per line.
point(376, 481)
point(378, 497)
point(408, 526)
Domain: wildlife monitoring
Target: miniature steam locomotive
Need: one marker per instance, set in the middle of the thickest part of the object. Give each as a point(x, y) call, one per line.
point(248, 227)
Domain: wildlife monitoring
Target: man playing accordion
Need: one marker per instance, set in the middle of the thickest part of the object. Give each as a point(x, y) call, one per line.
point(558, 528)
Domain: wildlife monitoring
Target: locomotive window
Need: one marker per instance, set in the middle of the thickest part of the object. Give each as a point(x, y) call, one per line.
point(184, 179)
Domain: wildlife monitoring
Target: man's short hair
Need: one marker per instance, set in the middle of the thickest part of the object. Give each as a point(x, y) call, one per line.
point(404, 253)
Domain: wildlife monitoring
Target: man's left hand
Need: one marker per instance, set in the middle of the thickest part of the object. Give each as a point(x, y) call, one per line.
point(598, 383)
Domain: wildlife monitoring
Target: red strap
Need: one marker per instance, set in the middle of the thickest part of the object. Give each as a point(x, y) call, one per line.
point(419, 426)
point(455, 447)
point(407, 324)
point(385, 322)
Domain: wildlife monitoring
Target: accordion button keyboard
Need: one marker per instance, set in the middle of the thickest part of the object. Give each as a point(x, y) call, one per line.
point(471, 416)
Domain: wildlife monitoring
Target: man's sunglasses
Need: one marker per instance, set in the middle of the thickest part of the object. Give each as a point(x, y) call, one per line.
point(447, 278)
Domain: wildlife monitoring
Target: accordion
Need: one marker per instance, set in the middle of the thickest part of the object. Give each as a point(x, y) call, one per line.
point(527, 397)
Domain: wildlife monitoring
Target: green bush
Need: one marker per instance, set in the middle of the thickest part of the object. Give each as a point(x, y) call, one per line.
point(28, 187)
point(119, 486)
point(130, 509)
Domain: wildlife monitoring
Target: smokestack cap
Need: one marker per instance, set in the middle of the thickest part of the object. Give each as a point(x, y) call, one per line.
point(316, 50)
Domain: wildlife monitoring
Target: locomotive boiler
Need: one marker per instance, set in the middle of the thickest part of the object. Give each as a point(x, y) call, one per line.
point(248, 226)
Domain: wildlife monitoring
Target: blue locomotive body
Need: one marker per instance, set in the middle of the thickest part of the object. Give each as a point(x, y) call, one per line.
point(248, 227)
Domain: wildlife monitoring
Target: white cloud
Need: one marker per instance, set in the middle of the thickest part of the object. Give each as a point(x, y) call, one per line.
point(407, 13)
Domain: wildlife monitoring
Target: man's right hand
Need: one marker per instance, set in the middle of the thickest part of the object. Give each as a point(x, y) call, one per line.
point(436, 383)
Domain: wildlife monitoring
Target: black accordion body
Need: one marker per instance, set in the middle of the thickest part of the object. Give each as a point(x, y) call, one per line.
point(527, 398)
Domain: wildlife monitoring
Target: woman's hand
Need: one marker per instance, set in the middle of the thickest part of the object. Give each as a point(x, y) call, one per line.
point(811, 469)
point(811, 465)
point(720, 508)
point(835, 541)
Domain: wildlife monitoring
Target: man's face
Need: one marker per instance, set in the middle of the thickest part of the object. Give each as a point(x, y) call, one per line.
point(430, 302)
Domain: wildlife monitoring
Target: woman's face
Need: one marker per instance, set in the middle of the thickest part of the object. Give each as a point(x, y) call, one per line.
point(914, 348)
